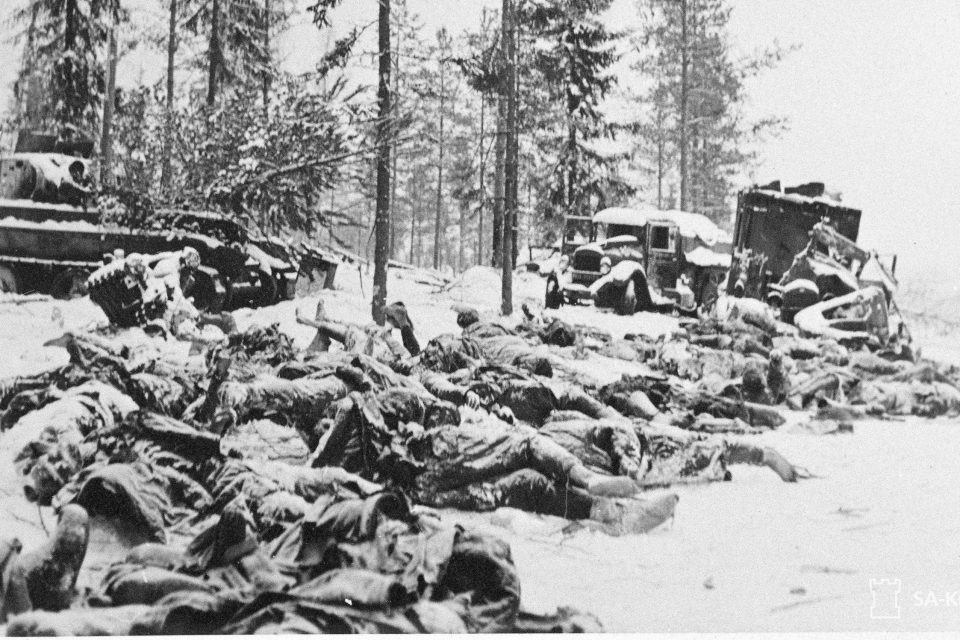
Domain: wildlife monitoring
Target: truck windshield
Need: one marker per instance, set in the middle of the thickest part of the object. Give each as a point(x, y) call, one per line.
point(605, 231)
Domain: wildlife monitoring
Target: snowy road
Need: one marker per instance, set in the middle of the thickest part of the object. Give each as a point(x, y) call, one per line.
point(752, 554)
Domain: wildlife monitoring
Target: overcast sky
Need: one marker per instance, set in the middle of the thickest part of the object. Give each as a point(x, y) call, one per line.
point(872, 97)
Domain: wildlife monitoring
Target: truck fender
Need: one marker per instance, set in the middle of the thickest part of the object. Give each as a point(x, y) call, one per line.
point(619, 275)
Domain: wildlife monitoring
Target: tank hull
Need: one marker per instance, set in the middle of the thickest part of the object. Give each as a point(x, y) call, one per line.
point(50, 248)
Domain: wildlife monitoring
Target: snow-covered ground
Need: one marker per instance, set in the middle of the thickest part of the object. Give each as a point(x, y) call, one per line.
point(752, 554)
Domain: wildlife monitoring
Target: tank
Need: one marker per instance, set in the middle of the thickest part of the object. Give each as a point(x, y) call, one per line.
point(52, 236)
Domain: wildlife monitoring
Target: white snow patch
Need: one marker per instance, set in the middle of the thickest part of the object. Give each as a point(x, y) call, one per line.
point(61, 225)
point(777, 556)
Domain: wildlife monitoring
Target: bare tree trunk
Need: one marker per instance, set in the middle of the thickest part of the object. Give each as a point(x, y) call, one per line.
point(106, 139)
point(28, 103)
point(661, 150)
point(413, 220)
point(514, 139)
point(384, 131)
point(35, 109)
point(510, 156)
point(572, 197)
point(529, 218)
point(267, 73)
point(358, 240)
point(500, 150)
point(165, 167)
point(393, 169)
point(67, 112)
point(419, 262)
point(215, 54)
point(684, 98)
point(660, 173)
point(478, 259)
point(439, 213)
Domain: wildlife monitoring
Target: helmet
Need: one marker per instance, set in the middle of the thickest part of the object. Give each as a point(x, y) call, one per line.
point(190, 257)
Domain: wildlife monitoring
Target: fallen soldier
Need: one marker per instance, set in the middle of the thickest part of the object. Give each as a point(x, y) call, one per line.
point(916, 398)
point(372, 340)
point(661, 455)
point(373, 564)
point(155, 299)
point(500, 345)
point(53, 448)
point(479, 465)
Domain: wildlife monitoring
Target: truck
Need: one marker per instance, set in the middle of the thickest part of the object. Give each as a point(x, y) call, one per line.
point(642, 259)
point(796, 249)
point(773, 225)
point(53, 235)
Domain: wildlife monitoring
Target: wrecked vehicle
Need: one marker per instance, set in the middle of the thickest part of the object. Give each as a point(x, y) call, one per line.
point(644, 259)
point(772, 226)
point(53, 235)
point(829, 287)
point(857, 316)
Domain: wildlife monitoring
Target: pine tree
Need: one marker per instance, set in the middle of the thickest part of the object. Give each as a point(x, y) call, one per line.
point(693, 110)
point(479, 69)
point(573, 54)
point(237, 41)
point(408, 49)
point(443, 60)
point(61, 84)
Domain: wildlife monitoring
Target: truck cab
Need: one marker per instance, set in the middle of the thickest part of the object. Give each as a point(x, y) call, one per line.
point(642, 259)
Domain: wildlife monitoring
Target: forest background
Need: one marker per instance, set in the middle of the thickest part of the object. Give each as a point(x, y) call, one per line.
point(863, 103)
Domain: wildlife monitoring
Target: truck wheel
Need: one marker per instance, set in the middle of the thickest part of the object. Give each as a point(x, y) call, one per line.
point(627, 305)
point(554, 297)
point(8, 280)
point(69, 284)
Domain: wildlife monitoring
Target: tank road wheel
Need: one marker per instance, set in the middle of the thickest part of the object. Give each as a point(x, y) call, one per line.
point(285, 289)
point(627, 305)
point(8, 280)
point(554, 297)
point(268, 290)
point(203, 290)
point(69, 284)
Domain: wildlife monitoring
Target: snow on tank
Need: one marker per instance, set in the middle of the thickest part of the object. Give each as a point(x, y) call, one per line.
point(44, 177)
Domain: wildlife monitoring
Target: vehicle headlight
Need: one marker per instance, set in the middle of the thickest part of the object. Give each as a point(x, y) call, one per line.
point(605, 265)
point(564, 263)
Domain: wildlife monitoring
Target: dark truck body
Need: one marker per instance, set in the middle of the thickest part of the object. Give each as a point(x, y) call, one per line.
point(778, 223)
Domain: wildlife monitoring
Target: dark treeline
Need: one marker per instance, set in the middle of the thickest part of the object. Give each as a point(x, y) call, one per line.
point(467, 146)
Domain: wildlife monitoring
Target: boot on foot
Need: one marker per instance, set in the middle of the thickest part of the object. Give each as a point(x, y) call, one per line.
point(51, 569)
point(619, 517)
